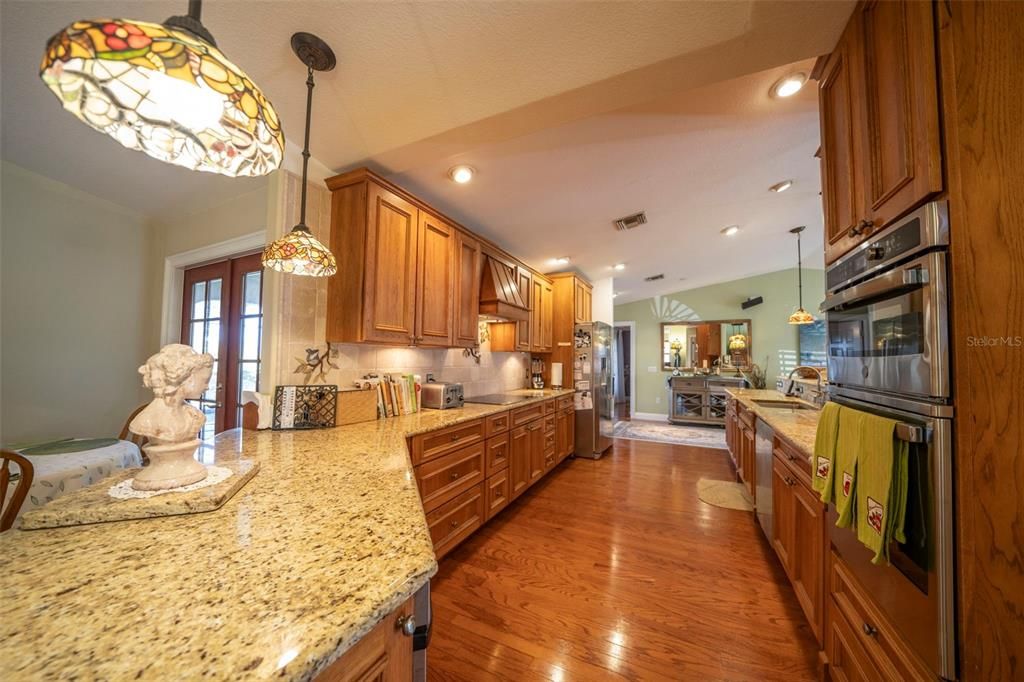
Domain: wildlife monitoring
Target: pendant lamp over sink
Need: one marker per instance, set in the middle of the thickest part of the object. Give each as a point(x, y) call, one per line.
point(299, 252)
point(166, 90)
point(800, 316)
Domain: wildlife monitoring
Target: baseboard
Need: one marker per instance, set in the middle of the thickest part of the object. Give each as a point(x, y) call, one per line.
point(649, 417)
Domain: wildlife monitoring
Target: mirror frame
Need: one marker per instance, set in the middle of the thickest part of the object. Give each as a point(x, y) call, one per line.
point(695, 323)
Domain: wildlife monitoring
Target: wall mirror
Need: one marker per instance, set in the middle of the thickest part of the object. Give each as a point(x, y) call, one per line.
point(693, 345)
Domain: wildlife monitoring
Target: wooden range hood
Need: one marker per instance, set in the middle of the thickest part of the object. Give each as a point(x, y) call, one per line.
point(499, 295)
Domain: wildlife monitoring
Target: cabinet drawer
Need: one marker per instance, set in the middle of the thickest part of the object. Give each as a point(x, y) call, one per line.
point(549, 406)
point(565, 402)
point(443, 478)
point(455, 520)
point(745, 416)
point(496, 423)
point(497, 454)
point(795, 460)
point(497, 493)
point(549, 423)
point(884, 647)
point(426, 446)
point(527, 414)
point(847, 660)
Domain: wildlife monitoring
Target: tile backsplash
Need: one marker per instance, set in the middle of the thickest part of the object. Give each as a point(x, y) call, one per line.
point(303, 316)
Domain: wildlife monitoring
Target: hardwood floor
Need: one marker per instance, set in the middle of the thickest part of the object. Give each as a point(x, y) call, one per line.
point(613, 569)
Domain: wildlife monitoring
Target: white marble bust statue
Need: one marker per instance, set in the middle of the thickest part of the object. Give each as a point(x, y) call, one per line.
point(176, 374)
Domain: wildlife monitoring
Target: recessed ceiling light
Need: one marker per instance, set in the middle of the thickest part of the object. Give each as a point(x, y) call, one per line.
point(730, 230)
point(619, 266)
point(781, 186)
point(560, 261)
point(461, 174)
point(789, 85)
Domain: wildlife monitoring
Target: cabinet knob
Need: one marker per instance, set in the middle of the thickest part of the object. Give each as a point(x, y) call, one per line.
point(869, 630)
point(407, 624)
point(454, 524)
point(455, 474)
point(455, 437)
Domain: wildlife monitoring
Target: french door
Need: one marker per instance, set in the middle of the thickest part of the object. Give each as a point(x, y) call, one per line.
point(222, 314)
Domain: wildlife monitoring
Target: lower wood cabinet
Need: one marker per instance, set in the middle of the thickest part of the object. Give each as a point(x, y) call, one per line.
point(383, 655)
point(847, 660)
point(456, 519)
point(469, 472)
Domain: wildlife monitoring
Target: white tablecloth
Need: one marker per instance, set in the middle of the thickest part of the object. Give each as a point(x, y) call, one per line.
point(56, 475)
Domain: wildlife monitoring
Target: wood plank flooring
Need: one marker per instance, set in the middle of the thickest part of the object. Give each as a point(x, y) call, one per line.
point(615, 570)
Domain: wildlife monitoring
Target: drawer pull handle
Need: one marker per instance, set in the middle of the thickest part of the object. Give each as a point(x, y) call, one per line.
point(455, 474)
point(454, 524)
point(407, 624)
point(869, 630)
point(455, 437)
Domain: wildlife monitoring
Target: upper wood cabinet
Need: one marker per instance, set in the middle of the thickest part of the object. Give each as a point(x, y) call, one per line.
point(583, 295)
point(881, 154)
point(435, 291)
point(541, 316)
point(468, 264)
point(374, 238)
point(524, 280)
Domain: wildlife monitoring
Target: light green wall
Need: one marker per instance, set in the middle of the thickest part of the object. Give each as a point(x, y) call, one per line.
point(75, 321)
point(771, 334)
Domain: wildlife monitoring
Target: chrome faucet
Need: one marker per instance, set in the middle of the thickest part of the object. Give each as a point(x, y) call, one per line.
point(790, 384)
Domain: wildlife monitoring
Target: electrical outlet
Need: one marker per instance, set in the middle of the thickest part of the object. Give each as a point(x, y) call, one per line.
point(657, 400)
point(652, 369)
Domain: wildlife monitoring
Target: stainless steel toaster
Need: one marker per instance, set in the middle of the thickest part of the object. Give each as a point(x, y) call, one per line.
point(441, 395)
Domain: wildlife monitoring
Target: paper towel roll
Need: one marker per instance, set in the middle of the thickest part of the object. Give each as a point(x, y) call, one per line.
point(556, 375)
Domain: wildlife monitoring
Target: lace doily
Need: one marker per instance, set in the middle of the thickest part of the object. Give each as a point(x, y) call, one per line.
point(125, 491)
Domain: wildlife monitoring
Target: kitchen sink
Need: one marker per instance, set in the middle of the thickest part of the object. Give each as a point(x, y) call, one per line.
point(783, 404)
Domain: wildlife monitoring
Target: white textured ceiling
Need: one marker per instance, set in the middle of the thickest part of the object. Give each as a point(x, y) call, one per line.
point(416, 82)
point(695, 161)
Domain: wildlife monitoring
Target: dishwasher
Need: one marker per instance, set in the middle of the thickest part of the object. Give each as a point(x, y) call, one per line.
point(763, 476)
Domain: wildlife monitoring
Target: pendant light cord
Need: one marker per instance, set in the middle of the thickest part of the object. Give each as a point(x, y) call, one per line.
point(305, 148)
point(799, 271)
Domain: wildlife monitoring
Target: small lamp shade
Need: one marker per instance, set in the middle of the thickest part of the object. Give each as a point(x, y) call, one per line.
point(737, 342)
point(300, 253)
point(165, 92)
point(801, 316)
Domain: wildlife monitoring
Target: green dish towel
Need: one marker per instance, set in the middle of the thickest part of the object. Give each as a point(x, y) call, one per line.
point(881, 486)
point(848, 445)
point(824, 450)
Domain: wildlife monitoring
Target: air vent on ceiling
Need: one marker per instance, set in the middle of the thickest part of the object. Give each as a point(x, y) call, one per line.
point(631, 221)
point(654, 278)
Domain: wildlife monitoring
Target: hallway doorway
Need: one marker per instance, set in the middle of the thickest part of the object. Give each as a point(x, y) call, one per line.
point(624, 363)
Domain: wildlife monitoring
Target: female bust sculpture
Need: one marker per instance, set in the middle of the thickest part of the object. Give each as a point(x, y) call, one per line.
point(176, 374)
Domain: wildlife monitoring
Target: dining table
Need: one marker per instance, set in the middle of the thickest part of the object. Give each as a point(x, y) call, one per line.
point(57, 473)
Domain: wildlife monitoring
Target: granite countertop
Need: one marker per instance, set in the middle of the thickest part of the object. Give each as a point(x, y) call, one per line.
point(798, 427)
point(326, 540)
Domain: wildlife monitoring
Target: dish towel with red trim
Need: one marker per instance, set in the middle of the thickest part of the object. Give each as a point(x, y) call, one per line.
point(881, 486)
point(848, 445)
point(824, 451)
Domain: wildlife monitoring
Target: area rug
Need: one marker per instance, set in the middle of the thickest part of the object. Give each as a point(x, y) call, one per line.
point(701, 436)
point(727, 494)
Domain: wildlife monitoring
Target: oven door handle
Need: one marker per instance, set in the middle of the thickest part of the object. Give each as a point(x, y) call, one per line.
point(895, 281)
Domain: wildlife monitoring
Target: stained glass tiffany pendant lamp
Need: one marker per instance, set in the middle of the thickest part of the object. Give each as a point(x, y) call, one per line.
point(299, 252)
point(800, 316)
point(166, 90)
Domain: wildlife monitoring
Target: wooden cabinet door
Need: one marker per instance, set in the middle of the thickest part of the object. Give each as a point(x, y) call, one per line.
point(847, 660)
point(519, 464)
point(571, 434)
point(547, 320)
point(902, 151)
point(383, 655)
point(782, 513)
point(536, 314)
point(389, 292)
point(807, 562)
point(524, 280)
point(435, 315)
point(842, 168)
point(467, 290)
point(537, 450)
point(583, 300)
point(562, 434)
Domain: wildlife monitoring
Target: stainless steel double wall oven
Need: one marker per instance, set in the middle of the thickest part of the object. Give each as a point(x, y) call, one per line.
point(888, 353)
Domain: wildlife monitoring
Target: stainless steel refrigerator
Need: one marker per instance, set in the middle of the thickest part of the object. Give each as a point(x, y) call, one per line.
point(592, 379)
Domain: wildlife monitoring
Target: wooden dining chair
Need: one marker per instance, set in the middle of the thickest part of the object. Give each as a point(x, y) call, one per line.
point(10, 509)
point(127, 435)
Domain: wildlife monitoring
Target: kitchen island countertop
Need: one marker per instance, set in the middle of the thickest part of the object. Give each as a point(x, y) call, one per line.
point(325, 541)
point(797, 427)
